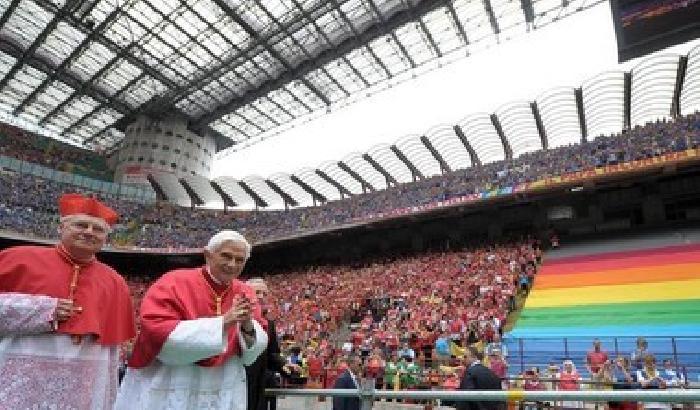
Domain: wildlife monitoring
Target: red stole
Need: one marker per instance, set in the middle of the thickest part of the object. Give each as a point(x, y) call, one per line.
point(103, 294)
point(186, 294)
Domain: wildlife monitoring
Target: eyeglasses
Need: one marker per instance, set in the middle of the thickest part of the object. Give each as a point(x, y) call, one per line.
point(85, 225)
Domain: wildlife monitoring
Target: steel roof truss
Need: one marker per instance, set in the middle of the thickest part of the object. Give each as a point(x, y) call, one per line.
point(38, 41)
point(540, 126)
point(492, 17)
point(259, 201)
point(343, 191)
point(228, 201)
point(366, 186)
point(444, 167)
point(390, 180)
point(68, 60)
point(499, 130)
point(429, 36)
point(288, 200)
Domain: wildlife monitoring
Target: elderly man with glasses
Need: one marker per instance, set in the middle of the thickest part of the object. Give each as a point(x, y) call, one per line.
point(63, 315)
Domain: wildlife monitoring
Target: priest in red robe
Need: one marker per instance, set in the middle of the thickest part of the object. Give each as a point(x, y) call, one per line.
point(63, 315)
point(199, 328)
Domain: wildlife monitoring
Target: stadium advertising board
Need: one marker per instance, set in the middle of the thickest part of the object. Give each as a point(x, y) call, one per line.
point(137, 174)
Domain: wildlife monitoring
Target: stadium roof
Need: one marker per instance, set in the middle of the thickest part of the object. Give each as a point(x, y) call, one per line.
point(84, 69)
point(662, 86)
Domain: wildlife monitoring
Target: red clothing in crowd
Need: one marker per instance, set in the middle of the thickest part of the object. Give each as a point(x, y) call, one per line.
point(569, 381)
point(596, 360)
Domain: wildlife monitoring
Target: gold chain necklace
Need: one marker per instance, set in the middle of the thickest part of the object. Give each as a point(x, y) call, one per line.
point(218, 297)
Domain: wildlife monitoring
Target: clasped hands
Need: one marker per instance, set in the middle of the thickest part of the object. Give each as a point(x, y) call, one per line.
point(240, 312)
point(65, 309)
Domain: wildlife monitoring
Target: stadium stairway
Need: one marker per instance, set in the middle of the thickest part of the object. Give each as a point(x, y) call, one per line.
point(616, 297)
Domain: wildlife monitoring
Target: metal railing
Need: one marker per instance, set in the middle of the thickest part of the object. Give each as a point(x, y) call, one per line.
point(683, 351)
point(367, 395)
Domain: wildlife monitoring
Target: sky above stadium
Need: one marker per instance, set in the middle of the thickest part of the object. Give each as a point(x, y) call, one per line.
point(561, 54)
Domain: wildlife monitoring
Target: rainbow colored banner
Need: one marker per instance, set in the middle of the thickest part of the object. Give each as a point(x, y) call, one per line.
point(650, 292)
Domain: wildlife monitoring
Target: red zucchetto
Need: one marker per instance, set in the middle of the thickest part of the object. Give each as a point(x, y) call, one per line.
point(74, 204)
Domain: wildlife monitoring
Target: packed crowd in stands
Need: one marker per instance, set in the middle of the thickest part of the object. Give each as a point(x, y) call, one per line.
point(30, 147)
point(411, 319)
point(168, 226)
point(406, 309)
point(418, 310)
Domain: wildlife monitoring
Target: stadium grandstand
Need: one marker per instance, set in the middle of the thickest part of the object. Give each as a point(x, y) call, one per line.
point(558, 235)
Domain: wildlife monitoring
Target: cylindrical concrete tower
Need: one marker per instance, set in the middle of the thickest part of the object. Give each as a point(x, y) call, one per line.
point(152, 146)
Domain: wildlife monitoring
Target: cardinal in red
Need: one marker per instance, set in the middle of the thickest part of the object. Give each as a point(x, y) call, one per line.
point(199, 328)
point(63, 315)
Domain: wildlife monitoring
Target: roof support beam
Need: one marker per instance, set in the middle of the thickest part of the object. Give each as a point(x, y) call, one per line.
point(415, 172)
point(580, 110)
point(499, 130)
point(528, 12)
point(403, 50)
point(341, 189)
point(627, 111)
point(429, 36)
point(243, 55)
point(214, 56)
point(255, 36)
point(492, 17)
point(330, 44)
point(387, 176)
point(317, 196)
point(457, 23)
point(463, 139)
point(259, 202)
point(288, 200)
point(160, 192)
point(390, 32)
point(228, 201)
point(366, 186)
point(99, 107)
point(680, 77)
point(194, 197)
point(540, 125)
point(303, 49)
point(373, 32)
point(105, 41)
point(444, 167)
point(37, 42)
point(41, 65)
point(8, 12)
point(356, 36)
point(68, 60)
point(80, 91)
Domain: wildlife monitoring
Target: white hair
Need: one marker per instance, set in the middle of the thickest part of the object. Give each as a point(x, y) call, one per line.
point(228, 236)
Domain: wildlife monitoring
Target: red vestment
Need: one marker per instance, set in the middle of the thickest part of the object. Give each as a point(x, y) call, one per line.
point(186, 294)
point(101, 292)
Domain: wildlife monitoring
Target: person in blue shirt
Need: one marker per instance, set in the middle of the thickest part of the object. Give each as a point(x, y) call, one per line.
point(442, 347)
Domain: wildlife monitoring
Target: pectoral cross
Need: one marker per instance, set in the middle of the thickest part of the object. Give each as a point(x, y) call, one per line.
point(217, 298)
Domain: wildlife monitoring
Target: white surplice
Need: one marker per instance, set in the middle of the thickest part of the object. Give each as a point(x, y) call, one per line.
point(44, 370)
point(175, 382)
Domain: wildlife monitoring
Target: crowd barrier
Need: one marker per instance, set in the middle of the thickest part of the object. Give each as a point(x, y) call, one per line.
point(368, 395)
